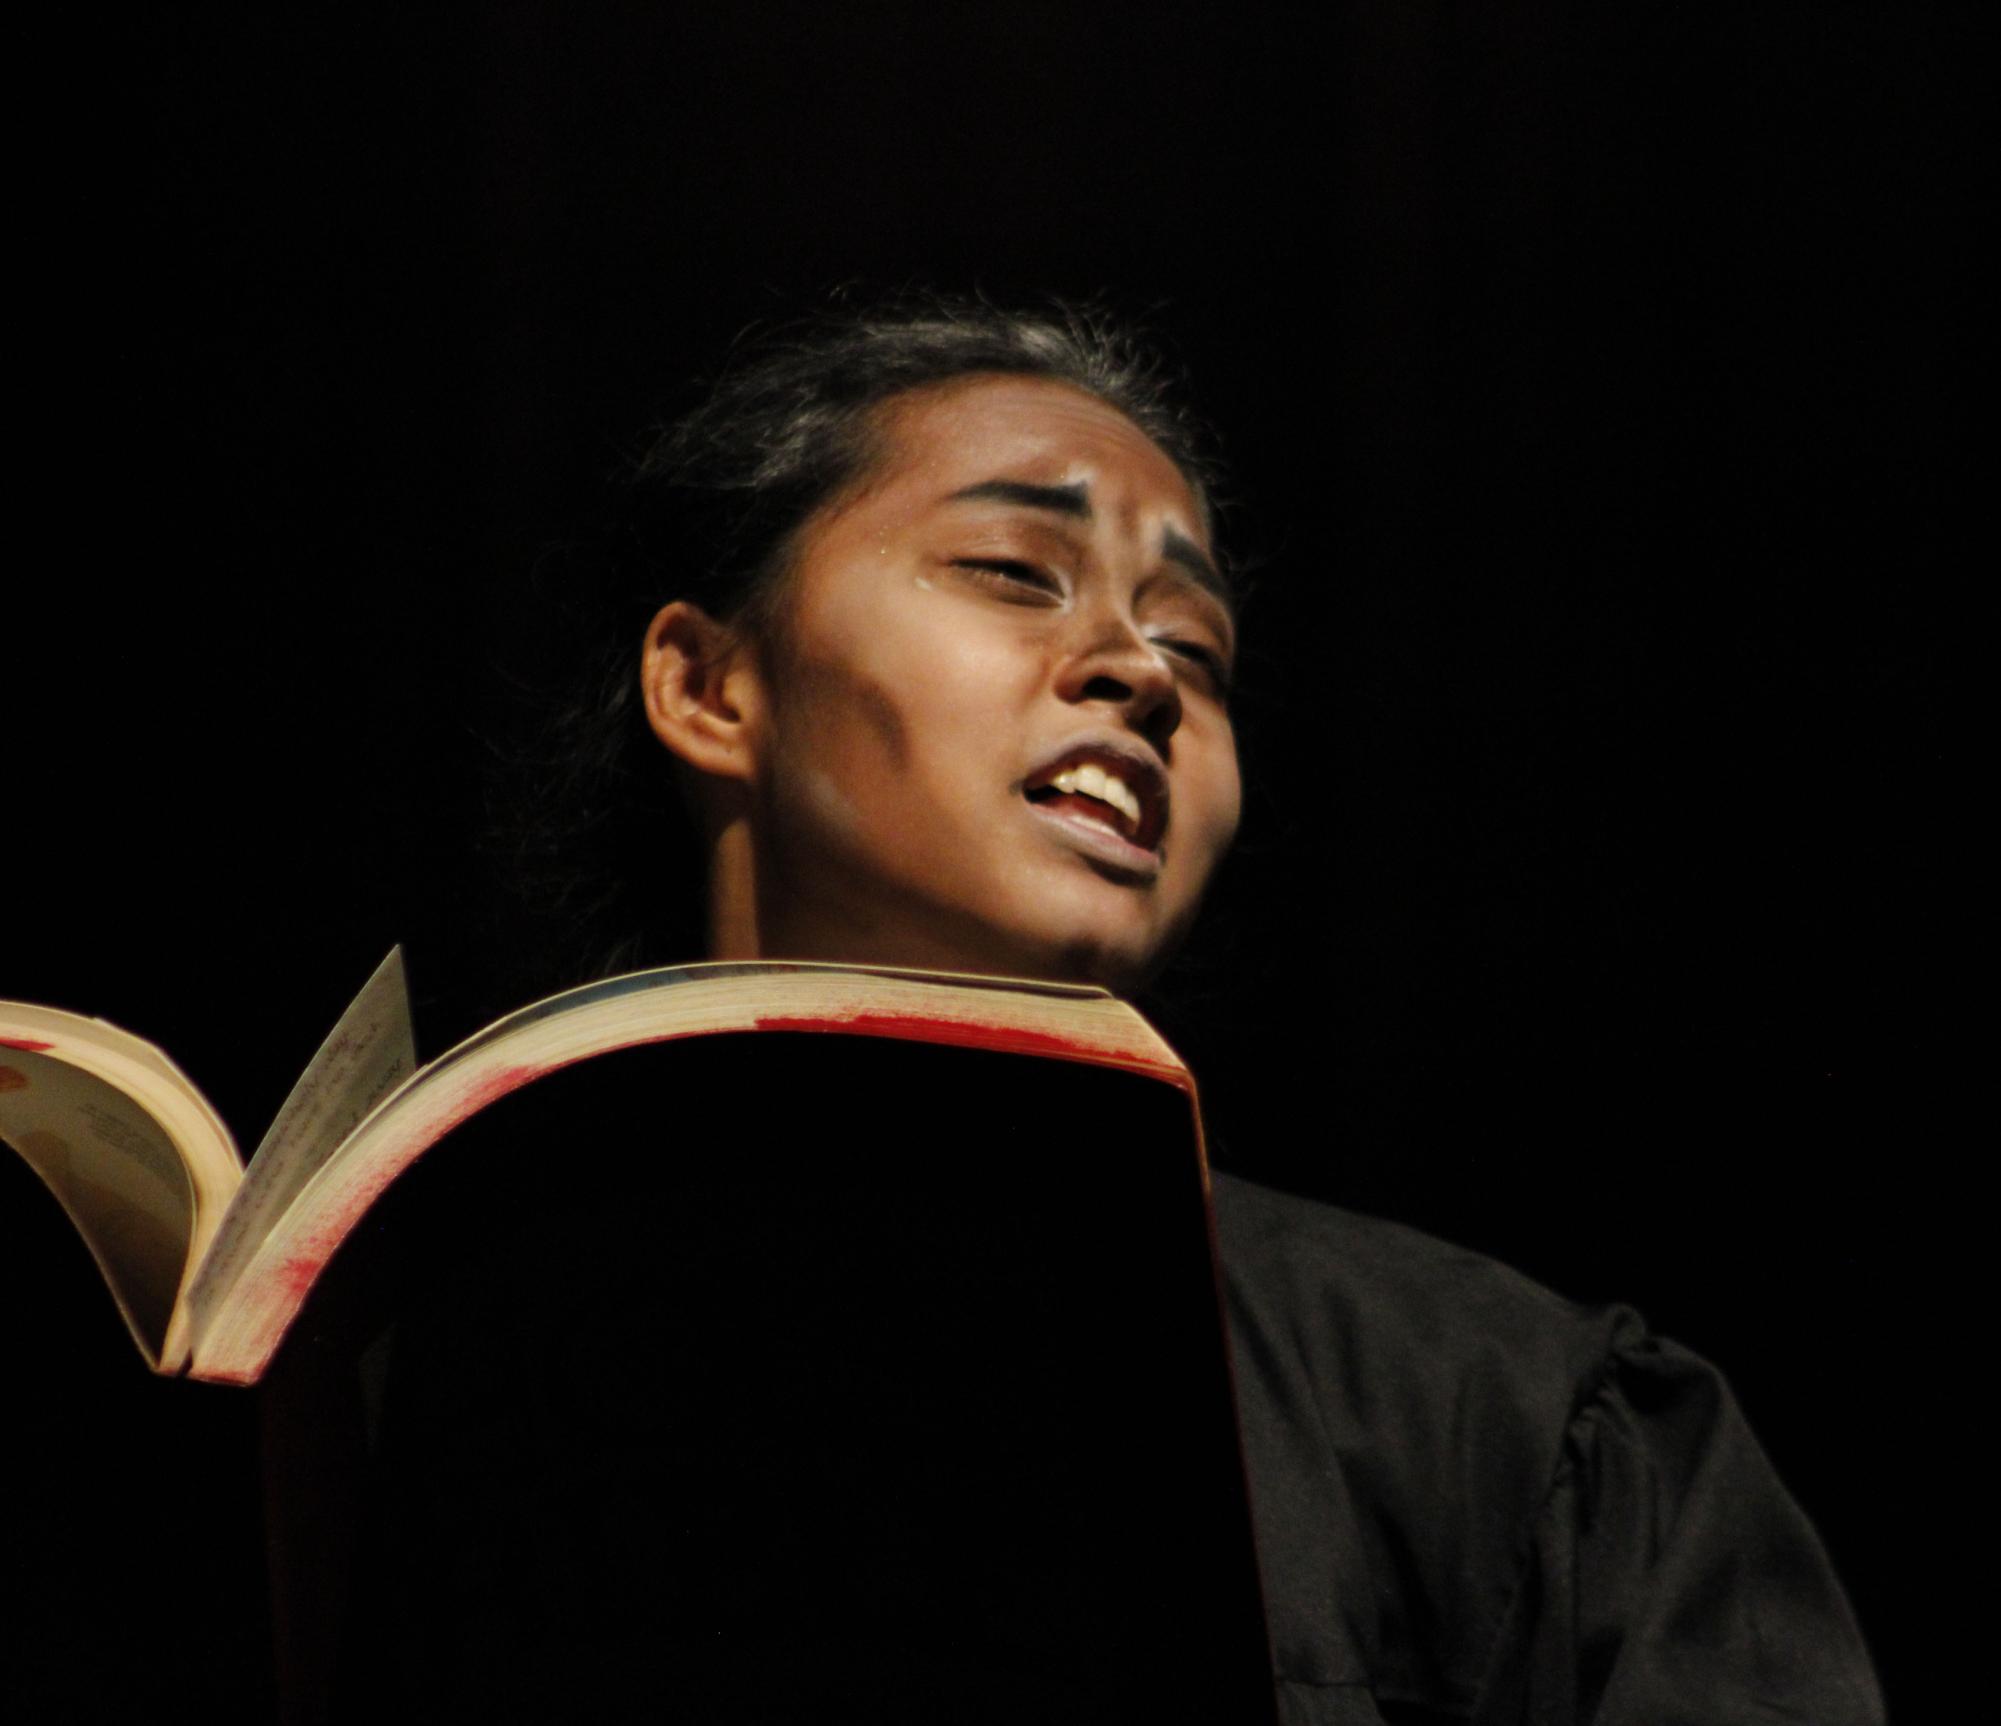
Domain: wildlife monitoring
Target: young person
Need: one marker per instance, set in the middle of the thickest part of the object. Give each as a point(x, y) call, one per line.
point(936, 664)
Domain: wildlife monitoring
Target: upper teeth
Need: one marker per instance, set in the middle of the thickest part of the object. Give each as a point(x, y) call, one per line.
point(1093, 781)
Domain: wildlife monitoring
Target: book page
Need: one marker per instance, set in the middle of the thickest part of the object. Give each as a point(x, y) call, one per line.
point(365, 1057)
point(115, 1171)
point(244, 1314)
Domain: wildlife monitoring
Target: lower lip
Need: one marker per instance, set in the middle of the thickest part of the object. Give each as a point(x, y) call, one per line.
point(1100, 844)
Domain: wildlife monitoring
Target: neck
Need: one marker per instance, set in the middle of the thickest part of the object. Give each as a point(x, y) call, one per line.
point(734, 931)
point(753, 915)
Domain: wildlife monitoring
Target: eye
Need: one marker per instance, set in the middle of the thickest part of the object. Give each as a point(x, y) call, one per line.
point(1208, 659)
point(1007, 573)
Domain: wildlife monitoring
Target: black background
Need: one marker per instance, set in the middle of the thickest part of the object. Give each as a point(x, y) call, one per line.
point(1595, 383)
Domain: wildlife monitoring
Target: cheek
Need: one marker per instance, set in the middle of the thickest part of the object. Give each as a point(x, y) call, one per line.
point(1218, 808)
point(1231, 806)
point(871, 738)
point(882, 721)
point(840, 722)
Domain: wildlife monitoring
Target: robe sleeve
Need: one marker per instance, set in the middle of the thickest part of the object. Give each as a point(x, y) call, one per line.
point(1671, 1580)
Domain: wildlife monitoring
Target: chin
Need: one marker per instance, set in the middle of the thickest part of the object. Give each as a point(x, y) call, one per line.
point(1092, 943)
point(1054, 933)
point(1120, 965)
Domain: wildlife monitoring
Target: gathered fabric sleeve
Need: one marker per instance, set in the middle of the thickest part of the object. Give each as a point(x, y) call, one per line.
point(1478, 1502)
point(1670, 1579)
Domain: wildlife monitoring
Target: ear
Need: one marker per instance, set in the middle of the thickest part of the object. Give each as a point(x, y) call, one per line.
point(703, 691)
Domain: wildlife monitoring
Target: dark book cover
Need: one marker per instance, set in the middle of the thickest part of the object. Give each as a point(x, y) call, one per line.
point(775, 1377)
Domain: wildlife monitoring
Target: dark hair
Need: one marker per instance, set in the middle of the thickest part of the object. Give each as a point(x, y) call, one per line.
point(710, 511)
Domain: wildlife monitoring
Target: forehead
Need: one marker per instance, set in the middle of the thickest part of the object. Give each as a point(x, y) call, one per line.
point(941, 439)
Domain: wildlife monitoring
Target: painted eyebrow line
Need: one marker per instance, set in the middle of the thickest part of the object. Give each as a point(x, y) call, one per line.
point(1074, 501)
point(1071, 500)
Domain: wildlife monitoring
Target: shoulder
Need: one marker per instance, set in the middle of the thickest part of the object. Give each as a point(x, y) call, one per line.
point(1472, 1493)
point(1405, 1407)
point(1388, 1299)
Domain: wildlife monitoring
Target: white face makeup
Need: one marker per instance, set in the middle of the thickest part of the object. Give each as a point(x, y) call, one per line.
point(996, 737)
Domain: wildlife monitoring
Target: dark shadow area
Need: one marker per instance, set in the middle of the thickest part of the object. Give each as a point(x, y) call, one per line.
point(1597, 389)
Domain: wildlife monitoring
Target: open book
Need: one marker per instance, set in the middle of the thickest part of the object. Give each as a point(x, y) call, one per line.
point(210, 1261)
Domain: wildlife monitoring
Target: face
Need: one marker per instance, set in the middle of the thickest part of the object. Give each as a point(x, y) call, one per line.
point(995, 733)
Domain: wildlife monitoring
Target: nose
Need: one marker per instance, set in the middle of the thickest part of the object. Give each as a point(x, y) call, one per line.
point(1120, 668)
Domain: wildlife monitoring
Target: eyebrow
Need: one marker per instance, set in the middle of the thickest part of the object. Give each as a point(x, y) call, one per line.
point(1074, 502)
point(1071, 500)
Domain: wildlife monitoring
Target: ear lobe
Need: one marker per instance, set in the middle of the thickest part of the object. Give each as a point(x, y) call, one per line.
point(698, 678)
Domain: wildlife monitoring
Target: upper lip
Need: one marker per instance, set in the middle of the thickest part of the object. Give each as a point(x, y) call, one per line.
point(1140, 769)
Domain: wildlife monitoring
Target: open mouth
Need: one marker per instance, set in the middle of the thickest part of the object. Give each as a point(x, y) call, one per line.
point(1101, 787)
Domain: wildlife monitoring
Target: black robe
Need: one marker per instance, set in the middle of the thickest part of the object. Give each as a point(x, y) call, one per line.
point(1477, 1501)
point(1474, 1501)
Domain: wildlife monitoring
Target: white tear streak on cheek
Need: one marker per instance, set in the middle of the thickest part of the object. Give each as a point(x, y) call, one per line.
point(922, 582)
